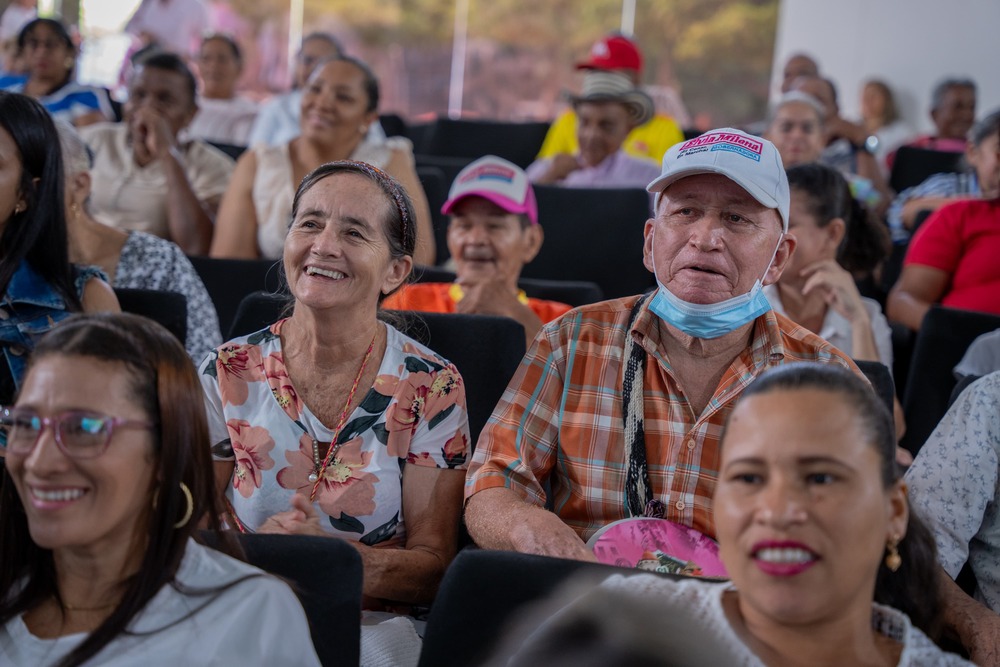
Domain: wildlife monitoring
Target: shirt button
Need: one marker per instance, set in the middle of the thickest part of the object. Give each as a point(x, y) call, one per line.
point(680, 505)
point(692, 444)
point(17, 350)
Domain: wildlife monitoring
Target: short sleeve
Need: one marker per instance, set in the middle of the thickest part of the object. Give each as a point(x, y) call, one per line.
point(881, 332)
point(938, 242)
point(953, 480)
point(203, 334)
point(518, 447)
point(209, 171)
point(218, 434)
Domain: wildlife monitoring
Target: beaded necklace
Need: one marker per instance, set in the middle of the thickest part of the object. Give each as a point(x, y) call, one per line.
point(319, 468)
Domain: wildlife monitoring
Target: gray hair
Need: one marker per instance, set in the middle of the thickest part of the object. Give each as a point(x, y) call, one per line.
point(797, 96)
point(76, 155)
point(942, 88)
point(984, 128)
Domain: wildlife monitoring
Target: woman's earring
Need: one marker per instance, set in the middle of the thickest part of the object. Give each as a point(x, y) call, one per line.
point(190, 507)
point(893, 559)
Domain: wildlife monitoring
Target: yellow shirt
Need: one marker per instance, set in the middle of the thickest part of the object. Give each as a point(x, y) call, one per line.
point(649, 141)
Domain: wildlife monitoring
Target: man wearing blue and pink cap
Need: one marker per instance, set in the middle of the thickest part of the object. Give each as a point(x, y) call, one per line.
point(493, 233)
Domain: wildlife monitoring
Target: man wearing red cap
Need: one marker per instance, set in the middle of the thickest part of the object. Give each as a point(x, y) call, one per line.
point(615, 53)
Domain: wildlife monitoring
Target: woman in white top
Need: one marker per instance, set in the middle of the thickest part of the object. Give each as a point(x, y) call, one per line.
point(339, 104)
point(829, 566)
point(107, 478)
point(223, 116)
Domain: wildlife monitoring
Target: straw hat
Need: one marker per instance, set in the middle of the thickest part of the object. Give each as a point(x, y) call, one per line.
point(602, 86)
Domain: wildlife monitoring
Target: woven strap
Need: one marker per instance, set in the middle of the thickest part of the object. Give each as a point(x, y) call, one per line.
point(639, 499)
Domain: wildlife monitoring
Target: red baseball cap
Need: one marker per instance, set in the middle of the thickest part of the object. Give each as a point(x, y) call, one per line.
point(614, 52)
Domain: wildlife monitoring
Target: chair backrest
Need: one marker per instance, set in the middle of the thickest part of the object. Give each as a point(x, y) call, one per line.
point(232, 150)
point(229, 280)
point(486, 350)
point(881, 380)
point(167, 308)
point(912, 166)
point(570, 292)
point(593, 235)
point(326, 574)
point(435, 185)
point(393, 125)
point(945, 334)
point(482, 592)
point(256, 311)
point(517, 142)
point(961, 386)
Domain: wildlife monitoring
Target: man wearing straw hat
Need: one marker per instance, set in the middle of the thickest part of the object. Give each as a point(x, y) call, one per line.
point(608, 109)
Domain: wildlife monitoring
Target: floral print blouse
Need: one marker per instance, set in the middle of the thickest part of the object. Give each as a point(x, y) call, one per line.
point(414, 414)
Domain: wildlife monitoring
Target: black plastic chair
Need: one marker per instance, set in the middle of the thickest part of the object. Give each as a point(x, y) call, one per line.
point(570, 292)
point(945, 334)
point(229, 280)
point(517, 142)
point(881, 380)
point(393, 125)
point(593, 235)
point(436, 185)
point(912, 166)
point(231, 150)
point(167, 308)
point(961, 386)
point(482, 592)
point(326, 574)
point(486, 350)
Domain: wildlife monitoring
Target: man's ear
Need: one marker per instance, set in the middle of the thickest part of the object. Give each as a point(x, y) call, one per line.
point(785, 249)
point(533, 239)
point(647, 245)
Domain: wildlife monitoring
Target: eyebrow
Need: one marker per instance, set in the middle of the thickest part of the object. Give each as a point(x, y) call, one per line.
point(801, 461)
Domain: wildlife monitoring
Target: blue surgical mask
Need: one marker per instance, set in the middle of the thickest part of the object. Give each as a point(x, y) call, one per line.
point(711, 320)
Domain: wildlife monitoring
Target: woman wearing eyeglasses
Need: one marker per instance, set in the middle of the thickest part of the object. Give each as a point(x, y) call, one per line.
point(107, 476)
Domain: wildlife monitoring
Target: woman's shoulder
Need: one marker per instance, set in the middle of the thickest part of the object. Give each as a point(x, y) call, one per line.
point(918, 649)
point(403, 346)
point(243, 356)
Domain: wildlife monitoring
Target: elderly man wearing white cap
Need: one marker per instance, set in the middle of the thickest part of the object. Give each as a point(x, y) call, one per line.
point(493, 233)
point(619, 406)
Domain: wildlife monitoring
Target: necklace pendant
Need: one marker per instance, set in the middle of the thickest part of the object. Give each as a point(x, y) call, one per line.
point(313, 476)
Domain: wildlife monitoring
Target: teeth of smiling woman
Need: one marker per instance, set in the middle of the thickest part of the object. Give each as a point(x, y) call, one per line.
point(313, 271)
point(57, 496)
point(784, 555)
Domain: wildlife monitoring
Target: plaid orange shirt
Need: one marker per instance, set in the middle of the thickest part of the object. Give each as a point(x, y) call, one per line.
point(561, 417)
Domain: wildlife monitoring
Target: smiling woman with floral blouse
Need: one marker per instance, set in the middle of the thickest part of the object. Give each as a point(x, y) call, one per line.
point(331, 422)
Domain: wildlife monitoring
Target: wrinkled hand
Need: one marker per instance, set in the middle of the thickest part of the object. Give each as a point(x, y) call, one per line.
point(554, 539)
point(838, 289)
point(302, 519)
point(487, 297)
point(562, 165)
point(152, 137)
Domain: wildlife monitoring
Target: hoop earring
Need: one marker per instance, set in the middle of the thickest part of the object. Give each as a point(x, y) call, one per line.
point(892, 559)
point(190, 507)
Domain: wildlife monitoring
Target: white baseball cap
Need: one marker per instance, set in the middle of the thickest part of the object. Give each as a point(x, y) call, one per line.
point(751, 162)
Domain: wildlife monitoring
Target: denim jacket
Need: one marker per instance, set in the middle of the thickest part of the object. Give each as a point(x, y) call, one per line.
point(30, 308)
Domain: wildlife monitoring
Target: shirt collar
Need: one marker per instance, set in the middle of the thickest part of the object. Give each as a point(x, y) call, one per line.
point(28, 287)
